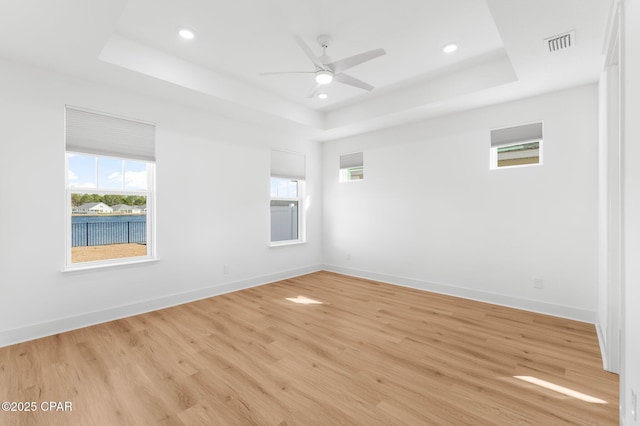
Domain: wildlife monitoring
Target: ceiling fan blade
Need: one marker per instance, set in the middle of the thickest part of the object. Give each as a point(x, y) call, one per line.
point(314, 90)
point(307, 50)
point(287, 72)
point(352, 61)
point(352, 81)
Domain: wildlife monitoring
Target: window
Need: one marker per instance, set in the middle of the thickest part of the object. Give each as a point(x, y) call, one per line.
point(516, 146)
point(286, 204)
point(110, 189)
point(351, 167)
point(285, 209)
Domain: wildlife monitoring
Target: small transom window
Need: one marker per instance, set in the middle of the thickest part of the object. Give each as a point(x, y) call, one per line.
point(351, 167)
point(516, 146)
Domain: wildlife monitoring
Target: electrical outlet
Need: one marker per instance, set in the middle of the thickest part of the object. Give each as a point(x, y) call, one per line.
point(225, 269)
point(538, 283)
point(634, 405)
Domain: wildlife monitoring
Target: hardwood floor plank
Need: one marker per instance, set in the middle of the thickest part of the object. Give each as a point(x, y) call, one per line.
point(367, 354)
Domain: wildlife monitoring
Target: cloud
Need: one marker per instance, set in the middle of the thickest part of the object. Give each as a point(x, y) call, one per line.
point(115, 177)
point(73, 181)
point(135, 180)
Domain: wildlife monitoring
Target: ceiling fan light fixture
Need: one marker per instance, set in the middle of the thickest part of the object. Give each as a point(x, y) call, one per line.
point(324, 77)
point(322, 96)
point(186, 33)
point(450, 48)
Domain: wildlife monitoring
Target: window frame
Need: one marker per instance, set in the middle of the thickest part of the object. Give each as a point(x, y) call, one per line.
point(493, 157)
point(149, 193)
point(300, 200)
point(344, 173)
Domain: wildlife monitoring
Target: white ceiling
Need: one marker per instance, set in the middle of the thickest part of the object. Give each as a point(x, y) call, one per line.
point(135, 44)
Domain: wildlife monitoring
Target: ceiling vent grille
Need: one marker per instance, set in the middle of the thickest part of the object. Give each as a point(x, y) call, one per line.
point(561, 42)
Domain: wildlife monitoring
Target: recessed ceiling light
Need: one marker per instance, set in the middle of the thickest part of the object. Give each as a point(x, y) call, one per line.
point(322, 96)
point(186, 33)
point(324, 77)
point(450, 48)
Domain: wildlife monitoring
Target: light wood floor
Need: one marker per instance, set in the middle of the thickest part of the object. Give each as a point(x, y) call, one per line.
point(370, 354)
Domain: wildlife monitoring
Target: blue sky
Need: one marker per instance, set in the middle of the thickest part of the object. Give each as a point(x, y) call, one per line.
point(106, 173)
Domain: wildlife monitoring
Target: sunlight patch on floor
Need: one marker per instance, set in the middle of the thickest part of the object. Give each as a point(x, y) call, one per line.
point(303, 300)
point(561, 389)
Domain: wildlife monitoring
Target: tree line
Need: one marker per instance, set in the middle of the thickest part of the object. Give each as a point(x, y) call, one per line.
point(108, 199)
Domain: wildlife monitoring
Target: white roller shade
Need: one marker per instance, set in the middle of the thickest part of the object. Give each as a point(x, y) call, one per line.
point(287, 165)
point(351, 160)
point(511, 135)
point(100, 134)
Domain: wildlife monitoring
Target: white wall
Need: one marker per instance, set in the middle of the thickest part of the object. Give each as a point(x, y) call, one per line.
point(212, 208)
point(431, 214)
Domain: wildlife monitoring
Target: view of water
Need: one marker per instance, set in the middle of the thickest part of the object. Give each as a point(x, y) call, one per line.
point(108, 218)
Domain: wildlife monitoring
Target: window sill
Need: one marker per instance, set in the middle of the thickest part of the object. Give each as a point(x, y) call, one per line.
point(515, 166)
point(87, 266)
point(287, 243)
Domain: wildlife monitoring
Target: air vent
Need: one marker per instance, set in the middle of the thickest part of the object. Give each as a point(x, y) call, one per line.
point(561, 42)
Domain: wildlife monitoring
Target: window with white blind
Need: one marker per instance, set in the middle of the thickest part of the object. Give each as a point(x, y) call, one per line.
point(351, 167)
point(110, 189)
point(516, 146)
point(287, 195)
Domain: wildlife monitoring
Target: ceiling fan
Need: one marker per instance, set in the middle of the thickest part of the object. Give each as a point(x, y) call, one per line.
point(327, 71)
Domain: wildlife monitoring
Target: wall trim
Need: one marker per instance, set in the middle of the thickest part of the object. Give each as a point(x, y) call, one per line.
point(561, 311)
point(43, 329)
point(603, 348)
point(61, 325)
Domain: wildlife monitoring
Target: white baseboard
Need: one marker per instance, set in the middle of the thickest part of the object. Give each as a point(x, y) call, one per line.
point(603, 345)
point(467, 293)
point(35, 331)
